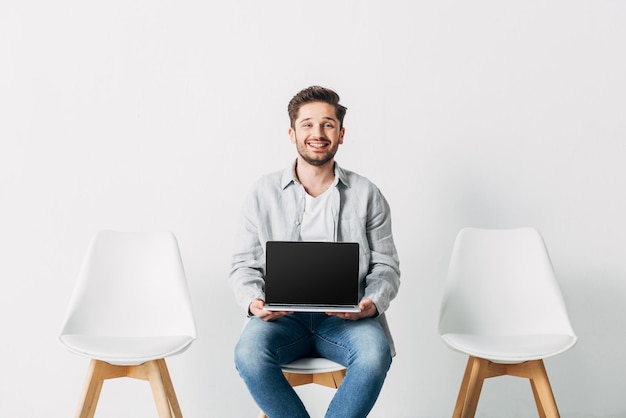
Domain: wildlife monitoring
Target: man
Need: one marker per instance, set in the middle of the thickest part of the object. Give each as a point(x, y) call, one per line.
point(316, 200)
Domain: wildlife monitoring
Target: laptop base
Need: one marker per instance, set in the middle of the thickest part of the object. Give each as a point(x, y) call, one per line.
point(311, 308)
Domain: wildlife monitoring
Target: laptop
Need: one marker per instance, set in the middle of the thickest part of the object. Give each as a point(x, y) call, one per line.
point(306, 276)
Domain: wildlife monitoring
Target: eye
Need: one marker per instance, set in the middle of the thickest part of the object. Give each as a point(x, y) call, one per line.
point(329, 125)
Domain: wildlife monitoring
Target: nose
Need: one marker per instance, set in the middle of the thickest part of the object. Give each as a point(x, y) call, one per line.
point(317, 131)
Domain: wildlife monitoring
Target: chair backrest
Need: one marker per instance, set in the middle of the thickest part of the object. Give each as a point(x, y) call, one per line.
point(131, 284)
point(501, 282)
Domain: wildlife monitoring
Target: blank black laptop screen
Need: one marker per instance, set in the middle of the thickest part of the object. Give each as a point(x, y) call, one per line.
point(317, 273)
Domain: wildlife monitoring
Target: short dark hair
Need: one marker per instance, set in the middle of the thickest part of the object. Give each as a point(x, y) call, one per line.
point(315, 94)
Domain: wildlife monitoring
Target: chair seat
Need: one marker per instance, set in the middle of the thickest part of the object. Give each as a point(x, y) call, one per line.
point(510, 349)
point(312, 365)
point(126, 350)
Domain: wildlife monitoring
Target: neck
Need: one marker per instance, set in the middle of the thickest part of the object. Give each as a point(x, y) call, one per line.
point(314, 179)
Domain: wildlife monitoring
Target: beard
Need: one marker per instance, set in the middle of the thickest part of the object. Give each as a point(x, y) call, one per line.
point(316, 159)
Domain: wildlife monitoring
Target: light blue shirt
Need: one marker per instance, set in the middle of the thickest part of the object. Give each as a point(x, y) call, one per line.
point(273, 211)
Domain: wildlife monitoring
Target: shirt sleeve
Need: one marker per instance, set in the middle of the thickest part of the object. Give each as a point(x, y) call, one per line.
point(383, 278)
point(247, 265)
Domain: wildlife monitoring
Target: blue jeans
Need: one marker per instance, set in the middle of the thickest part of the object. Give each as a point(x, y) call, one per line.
point(360, 345)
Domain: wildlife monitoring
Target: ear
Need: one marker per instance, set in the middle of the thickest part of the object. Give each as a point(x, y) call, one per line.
point(342, 132)
point(292, 135)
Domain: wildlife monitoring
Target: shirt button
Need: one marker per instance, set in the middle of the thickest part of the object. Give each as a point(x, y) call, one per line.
point(297, 223)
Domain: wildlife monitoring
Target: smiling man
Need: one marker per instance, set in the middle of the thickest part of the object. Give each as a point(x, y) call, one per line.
point(315, 200)
point(319, 133)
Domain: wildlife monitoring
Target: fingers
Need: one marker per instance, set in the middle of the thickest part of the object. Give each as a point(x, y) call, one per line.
point(272, 316)
point(347, 315)
point(256, 308)
point(368, 309)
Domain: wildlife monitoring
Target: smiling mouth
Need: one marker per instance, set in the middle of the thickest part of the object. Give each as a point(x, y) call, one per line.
point(318, 145)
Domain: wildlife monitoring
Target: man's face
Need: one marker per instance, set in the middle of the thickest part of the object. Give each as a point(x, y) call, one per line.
point(316, 133)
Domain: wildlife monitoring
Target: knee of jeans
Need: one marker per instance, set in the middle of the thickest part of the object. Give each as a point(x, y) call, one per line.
point(376, 359)
point(246, 356)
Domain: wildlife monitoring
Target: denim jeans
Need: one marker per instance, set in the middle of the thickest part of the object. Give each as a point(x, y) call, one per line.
point(360, 345)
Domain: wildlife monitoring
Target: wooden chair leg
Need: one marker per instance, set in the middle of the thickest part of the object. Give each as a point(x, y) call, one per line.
point(154, 371)
point(544, 397)
point(298, 379)
point(478, 370)
point(158, 390)
point(328, 379)
point(471, 386)
point(157, 374)
point(540, 410)
point(98, 372)
point(169, 389)
point(535, 371)
point(91, 391)
point(331, 379)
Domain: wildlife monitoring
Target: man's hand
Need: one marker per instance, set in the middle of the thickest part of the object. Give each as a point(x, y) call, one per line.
point(368, 309)
point(256, 309)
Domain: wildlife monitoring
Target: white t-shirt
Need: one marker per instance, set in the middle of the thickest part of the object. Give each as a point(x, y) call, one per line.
point(318, 222)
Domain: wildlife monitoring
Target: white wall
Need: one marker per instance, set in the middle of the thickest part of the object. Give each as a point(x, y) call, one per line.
point(139, 115)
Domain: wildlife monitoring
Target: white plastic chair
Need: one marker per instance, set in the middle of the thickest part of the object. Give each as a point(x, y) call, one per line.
point(130, 309)
point(313, 370)
point(503, 307)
